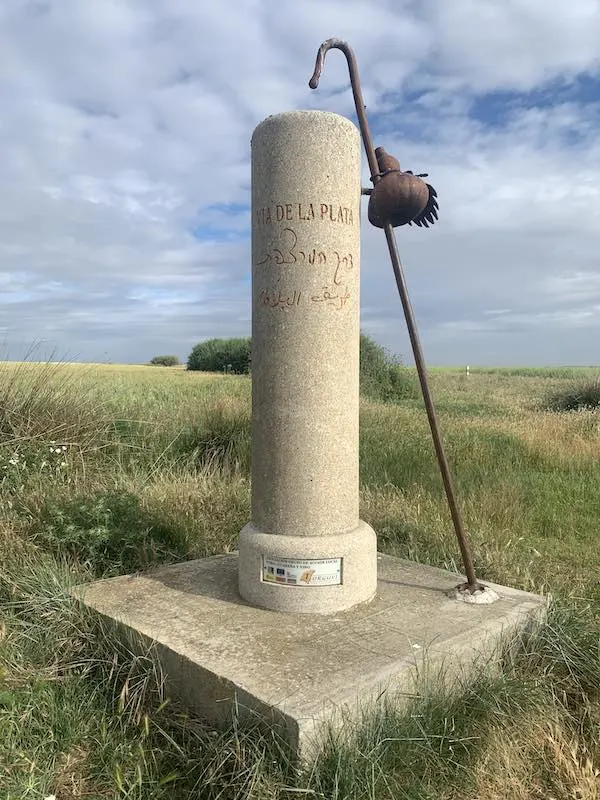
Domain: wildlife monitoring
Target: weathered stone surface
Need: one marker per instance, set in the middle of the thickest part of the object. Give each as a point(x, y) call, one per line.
point(300, 671)
point(305, 368)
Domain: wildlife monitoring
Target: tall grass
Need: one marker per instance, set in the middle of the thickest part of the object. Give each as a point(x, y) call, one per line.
point(37, 404)
point(156, 468)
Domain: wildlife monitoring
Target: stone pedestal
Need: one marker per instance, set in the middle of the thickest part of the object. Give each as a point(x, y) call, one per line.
point(306, 673)
point(305, 549)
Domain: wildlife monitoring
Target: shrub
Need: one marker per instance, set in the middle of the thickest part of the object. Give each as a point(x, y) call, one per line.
point(217, 355)
point(164, 361)
point(109, 530)
point(577, 396)
point(382, 376)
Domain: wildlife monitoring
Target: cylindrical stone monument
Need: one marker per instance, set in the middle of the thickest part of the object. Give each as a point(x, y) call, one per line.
point(305, 549)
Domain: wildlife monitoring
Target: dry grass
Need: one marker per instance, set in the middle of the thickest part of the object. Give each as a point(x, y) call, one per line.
point(535, 758)
point(562, 438)
point(209, 509)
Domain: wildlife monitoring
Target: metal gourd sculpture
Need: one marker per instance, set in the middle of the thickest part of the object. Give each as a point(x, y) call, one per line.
point(401, 198)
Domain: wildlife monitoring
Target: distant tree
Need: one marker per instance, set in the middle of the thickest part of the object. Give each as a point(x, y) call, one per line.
point(219, 355)
point(164, 361)
point(382, 375)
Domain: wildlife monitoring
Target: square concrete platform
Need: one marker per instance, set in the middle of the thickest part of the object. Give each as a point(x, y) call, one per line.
point(300, 671)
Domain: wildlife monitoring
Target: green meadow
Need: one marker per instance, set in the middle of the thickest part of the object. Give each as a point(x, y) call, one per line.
point(108, 469)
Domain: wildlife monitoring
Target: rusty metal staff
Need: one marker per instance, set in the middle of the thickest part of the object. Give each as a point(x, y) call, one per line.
point(399, 198)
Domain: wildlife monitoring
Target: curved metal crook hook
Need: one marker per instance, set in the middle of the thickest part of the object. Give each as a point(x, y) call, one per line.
point(359, 103)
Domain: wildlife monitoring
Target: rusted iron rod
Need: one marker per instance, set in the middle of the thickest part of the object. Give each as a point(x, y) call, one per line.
point(472, 584)
point(463, 543)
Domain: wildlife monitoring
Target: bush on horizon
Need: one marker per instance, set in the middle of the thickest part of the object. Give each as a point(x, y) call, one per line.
point(382, 375)
point(164, 361)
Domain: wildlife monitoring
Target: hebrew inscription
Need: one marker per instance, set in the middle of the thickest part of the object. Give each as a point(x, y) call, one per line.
point(290, 253)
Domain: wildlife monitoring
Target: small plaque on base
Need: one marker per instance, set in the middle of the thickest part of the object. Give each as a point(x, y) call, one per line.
point(302, 572)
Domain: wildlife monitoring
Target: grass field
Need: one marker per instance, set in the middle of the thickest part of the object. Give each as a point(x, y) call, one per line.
point(109, 469)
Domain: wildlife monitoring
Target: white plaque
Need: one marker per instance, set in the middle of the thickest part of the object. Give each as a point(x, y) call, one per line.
point(302, 572)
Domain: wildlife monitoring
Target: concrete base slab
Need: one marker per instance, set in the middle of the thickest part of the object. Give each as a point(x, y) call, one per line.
point(303, 671)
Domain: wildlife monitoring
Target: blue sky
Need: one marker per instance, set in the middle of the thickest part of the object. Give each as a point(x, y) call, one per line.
point(125, 176)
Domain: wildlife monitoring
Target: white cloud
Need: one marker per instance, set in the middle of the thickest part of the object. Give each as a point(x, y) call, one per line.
point(514, 44)
point(126, 127)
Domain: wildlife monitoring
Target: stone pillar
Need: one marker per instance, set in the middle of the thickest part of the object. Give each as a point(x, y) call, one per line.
point(305, 549)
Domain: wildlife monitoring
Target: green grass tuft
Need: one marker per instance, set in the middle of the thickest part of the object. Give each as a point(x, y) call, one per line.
point(575, 397)
point(109, 530)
